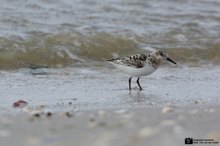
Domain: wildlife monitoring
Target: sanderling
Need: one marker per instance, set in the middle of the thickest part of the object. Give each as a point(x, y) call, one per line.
point(140, 64)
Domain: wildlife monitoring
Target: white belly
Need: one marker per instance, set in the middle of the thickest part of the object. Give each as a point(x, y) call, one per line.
point(136, 72)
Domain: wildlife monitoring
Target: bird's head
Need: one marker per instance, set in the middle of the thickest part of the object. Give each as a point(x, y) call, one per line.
point(162, 55)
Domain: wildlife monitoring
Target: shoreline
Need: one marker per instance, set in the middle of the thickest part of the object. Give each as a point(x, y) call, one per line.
point(103, 88)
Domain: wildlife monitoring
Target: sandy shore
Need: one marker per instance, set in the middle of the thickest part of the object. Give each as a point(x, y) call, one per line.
point(167, 126)
point(93, 107)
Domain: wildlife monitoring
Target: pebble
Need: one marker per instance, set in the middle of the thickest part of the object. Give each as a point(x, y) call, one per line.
point(49, 114)
point(167, 109)
point(102, 113)
point(92, 119)
point(196, 101)
point(68, 114)
point(37, 115)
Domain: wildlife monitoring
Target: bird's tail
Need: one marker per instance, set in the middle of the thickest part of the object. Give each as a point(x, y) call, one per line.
point(115, 57)
point(109, 60)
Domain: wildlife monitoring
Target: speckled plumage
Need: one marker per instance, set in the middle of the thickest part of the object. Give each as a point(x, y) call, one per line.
point(138, 60)
point(140, 64)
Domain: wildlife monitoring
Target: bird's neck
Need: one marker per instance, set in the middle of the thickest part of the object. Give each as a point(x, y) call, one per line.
point(156, 61)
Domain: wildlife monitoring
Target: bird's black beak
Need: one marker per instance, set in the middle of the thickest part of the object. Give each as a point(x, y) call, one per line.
point(168, 59)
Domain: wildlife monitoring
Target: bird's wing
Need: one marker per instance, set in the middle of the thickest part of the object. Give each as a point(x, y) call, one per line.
point(136, 61)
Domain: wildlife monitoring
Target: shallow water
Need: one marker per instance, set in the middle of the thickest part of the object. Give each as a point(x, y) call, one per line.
point(101, 89)
point(56, 33)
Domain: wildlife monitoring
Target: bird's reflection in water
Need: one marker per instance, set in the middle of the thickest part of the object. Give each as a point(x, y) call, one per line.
point(138, 97)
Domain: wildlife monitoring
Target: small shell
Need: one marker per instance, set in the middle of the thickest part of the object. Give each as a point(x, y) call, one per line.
point(20, 104)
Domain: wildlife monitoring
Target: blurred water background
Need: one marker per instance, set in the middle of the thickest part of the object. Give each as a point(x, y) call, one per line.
point(79, 33)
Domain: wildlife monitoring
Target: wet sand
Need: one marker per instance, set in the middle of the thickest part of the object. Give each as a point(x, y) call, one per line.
point(94, 107)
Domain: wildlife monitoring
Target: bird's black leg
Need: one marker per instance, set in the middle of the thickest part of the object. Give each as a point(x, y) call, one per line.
point(139, 84)
point(130, 83)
